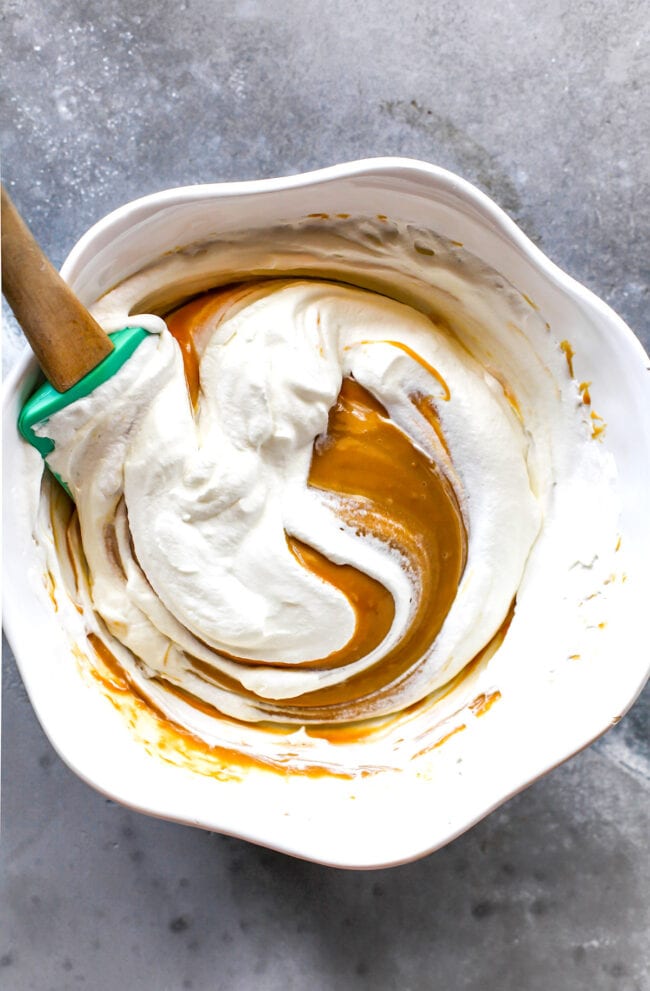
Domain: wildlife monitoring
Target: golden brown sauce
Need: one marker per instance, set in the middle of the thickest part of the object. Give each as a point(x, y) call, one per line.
point(584, 392)
point(400, 496)
point(61, 509)
point(114, 673)
point(414, 510)
point(483, 703)
point(439, 742)
point(569, 354)
point(598, 425)
point(426, 407)
point(373, 607)
point(172, 742)
point(182, 326)
point(50, 586)
point(356, 732)
point(448, 736)
point(416, 357)
point(507, 392)
point(62, 512)
point(372, 603)
point(391, 491)
point(185, 323)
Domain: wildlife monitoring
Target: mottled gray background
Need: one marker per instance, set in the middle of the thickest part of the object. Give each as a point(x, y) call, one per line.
point(544, 106)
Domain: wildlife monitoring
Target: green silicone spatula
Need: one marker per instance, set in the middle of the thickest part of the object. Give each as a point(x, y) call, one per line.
point(75, 354)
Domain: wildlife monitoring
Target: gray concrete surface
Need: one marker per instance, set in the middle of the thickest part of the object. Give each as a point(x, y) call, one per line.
point(546, 107)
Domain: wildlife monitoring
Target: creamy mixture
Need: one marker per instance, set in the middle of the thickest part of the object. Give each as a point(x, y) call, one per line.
point(313, 494)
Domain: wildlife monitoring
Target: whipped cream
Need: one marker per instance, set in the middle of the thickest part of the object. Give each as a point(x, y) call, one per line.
point(185, 511)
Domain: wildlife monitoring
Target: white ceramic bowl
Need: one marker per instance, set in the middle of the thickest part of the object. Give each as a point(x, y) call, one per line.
point(381, 819)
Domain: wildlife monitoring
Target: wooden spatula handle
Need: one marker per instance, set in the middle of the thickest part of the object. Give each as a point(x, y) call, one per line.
point(67, 341)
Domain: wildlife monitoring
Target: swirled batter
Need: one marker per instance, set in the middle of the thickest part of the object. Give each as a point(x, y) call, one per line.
point(341, 487)
point(280, 503)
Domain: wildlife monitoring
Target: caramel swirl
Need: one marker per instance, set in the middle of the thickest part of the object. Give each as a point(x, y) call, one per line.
point(392, 492)
point(307, 505)
point(402, 498)
point(287, 541)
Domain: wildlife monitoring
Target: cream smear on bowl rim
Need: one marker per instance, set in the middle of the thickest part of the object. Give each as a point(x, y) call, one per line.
point(533, 483)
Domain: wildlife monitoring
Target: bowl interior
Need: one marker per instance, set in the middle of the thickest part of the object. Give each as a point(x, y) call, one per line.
point(335, 820)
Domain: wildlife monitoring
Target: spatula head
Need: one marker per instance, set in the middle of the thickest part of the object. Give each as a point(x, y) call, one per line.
point(46, 400)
